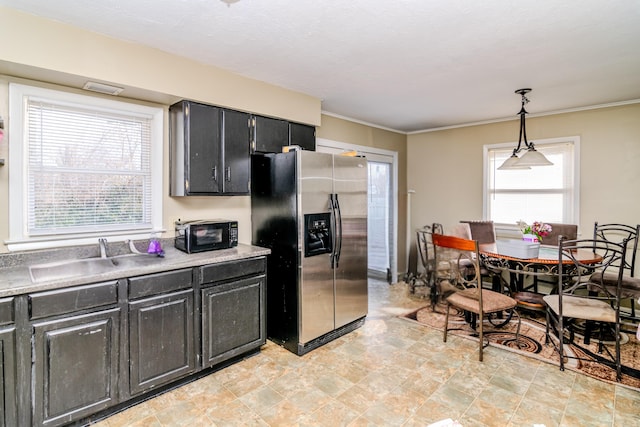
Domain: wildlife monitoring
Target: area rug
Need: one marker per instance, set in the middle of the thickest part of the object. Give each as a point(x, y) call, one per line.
point(532, 343)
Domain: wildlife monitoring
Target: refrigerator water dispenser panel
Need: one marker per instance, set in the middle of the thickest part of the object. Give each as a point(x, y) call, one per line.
point(317, 236)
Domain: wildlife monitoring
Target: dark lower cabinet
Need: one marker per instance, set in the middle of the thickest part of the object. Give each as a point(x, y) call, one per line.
point(75, 366)
point(8, 390)
point(8, 408)
point(68, 354)
point(161, 343)
point(233, 320)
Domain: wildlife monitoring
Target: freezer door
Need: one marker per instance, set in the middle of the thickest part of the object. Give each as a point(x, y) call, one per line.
point(315, 293)
point(350, 186)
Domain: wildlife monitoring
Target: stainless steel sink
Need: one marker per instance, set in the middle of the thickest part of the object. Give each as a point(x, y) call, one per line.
point(70, 268)
point(135, 260)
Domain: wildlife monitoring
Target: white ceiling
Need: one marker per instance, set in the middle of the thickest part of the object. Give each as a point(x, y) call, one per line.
point(401, 64)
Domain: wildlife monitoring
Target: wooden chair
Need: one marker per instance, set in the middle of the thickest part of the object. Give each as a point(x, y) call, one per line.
point(470, 296)
point(573, 301)
point(484, 232)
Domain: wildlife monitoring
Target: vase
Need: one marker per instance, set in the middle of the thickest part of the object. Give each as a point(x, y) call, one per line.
point(530, 238)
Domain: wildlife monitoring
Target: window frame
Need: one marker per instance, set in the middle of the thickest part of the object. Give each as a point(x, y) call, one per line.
point(539, 143)
point(19, 238)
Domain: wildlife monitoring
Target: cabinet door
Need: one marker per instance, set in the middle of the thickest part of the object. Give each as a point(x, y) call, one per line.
point(161, 343)
point(236, 138)
point(7, 377)
point(75, 366)
point(202, 139)
point(270, 135)
point(303, 136)
point(233, 319)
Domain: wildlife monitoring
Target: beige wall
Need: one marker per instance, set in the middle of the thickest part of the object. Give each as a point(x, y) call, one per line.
point(39, 48)
point(445, 167)
point(50, 52)
point(337, 129)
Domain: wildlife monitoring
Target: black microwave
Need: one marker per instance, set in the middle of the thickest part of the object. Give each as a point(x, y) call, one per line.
point(206, 235)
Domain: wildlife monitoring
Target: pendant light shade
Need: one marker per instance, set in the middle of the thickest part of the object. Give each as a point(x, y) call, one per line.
point(531, 156)
point(512, 163)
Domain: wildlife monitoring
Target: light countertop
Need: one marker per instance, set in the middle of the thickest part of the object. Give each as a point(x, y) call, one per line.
point(16, 280)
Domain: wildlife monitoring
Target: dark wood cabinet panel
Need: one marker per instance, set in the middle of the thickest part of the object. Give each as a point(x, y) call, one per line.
point(269, 134)
point(303, 136)
point(8, 390)
point(232, 319)
point(75, 366)
point(236, 135)
point(161, 341)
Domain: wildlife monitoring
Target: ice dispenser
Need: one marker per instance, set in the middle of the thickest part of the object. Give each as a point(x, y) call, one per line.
point(317, 237)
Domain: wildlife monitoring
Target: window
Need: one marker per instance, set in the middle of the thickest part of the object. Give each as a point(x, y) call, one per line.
point(543, 193)
point(82, 167)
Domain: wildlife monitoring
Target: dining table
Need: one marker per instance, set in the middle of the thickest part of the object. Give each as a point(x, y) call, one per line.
point(544, 264)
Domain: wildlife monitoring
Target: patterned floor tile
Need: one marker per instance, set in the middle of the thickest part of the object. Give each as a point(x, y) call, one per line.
point(391, 371)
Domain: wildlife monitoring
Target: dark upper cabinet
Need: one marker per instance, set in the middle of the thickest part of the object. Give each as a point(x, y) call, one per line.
point(303, 136)
point(270, 135)
point(236, 135)
point(209, 148)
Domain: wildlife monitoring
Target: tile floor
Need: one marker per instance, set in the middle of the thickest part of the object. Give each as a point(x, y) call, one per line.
point(390, 372)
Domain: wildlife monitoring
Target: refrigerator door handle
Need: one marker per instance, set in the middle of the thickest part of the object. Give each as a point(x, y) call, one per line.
point(338, 250)
point(332, 209)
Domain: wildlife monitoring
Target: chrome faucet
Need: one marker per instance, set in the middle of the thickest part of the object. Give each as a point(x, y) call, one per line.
point(103, 247)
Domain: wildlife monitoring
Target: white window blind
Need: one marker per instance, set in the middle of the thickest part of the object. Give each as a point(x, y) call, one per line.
point(542, 193)
point(82, 166)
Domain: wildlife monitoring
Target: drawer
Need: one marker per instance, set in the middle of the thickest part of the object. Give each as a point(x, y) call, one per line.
point(159, 283)
point(231, 270)
point(68, 300)
point(7, 313)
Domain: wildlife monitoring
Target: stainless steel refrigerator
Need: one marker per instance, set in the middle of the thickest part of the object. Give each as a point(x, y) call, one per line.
point(310, 209)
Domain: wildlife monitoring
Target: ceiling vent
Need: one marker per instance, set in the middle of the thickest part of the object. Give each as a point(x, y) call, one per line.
point(102, 88)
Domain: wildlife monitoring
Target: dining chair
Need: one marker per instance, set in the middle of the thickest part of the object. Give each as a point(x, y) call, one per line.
point(484, 233)
point(469, 295)
point(576, 299)
point(426, 277)
point(569, 232)
point(630, 286)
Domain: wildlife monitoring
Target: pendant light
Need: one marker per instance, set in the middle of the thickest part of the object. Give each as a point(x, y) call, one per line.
point(531, 156)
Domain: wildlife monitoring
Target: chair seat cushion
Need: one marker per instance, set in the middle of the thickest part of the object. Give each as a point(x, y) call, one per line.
point(629, 288)
point(582, 308)
point(468, 300)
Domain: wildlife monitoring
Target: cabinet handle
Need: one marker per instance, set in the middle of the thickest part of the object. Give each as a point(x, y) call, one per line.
point(228, 173)
point(214, 173)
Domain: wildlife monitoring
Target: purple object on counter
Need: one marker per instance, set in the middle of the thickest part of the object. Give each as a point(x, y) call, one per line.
point(154, 247)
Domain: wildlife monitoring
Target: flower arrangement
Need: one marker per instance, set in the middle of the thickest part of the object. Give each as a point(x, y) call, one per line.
point(537, 229)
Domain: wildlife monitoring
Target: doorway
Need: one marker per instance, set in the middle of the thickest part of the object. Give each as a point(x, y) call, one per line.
point(383, 206)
